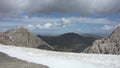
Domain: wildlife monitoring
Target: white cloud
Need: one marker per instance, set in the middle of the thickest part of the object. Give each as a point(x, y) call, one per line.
point(65, 21)
point(45, 26)
point(54, 23)
point(107, 27)
point(48, 25)
point(31, 27)
point(39, 26)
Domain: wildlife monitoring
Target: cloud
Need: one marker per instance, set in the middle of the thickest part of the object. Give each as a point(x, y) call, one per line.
point(12, 7)
point(107, 27)
point(48, 25)
point(10, 24)
point(31, 27)
point(82, 7)
point(78, 20)
point(54, 23)
point(45, 26)
point(65, 21)
point(90, 20)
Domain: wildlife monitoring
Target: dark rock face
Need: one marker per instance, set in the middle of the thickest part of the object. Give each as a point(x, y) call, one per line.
point(22, 37)
point(69, 42)
point(108, 45)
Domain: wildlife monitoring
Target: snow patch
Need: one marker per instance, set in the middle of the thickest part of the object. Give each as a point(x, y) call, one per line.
point(61, 59)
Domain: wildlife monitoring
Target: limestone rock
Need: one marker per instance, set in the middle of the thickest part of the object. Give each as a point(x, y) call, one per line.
point(22, 37)
point(108, 45)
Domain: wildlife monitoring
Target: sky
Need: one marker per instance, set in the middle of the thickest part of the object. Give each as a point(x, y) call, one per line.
point(60, 16)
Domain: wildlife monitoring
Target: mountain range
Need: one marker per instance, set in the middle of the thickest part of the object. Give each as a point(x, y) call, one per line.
point(68, 42)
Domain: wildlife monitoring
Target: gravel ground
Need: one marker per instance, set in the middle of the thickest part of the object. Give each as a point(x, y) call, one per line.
point(9, 62)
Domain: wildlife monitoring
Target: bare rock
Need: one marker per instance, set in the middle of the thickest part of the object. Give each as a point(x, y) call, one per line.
point(108, 45)
point(22, 37)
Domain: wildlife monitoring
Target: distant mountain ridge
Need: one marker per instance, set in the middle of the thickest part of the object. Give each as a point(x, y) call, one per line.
point(69, 42)
point(22, 37)
point(92, 35)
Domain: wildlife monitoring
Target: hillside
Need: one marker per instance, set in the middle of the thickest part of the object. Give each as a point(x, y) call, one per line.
point(69, 42)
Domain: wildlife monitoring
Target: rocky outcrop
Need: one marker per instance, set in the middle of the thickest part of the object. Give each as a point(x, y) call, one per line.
point(108, 45)
point(22, 37)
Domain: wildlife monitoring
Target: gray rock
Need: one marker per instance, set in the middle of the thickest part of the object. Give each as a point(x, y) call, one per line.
point(108, 45)
point(22, 37)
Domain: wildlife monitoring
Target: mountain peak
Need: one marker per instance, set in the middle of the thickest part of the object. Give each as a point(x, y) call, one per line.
point(21, 28)
point(108, 45)
point(118, 27)
point(70, 35)
point(117, 30)
point(22, 37)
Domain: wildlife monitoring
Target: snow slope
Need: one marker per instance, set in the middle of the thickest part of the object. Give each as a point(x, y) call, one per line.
point(54, 59)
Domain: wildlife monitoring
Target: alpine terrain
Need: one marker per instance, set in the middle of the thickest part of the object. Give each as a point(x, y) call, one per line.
point(107, 45)
point(22, 37)
point(69, 42)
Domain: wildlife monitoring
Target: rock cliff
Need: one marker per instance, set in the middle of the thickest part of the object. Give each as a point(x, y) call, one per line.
point(22, 37)
point(108, 45)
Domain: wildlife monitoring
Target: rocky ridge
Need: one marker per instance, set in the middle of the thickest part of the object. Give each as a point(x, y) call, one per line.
point(108, 45)
point(22, 37)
